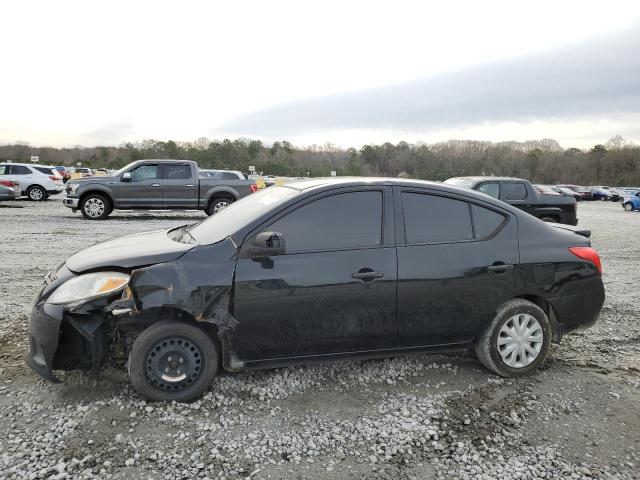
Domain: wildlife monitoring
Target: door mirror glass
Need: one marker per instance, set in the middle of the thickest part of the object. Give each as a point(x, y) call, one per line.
point(267, 244)
point(126, 177)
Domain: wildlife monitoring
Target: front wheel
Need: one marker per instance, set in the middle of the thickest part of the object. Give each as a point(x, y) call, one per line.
point(173, 361)
point(218, 204)
point(628, 207)
point(95, 207)
point(517, 341)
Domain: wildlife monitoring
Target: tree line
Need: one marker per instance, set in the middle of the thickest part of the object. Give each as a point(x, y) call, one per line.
point(616, 162)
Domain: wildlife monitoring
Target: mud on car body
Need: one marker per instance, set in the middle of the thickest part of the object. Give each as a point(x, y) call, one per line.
point(319, 269)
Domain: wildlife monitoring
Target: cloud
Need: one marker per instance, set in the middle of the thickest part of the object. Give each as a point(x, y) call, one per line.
point(109, 133)
point(600, 76)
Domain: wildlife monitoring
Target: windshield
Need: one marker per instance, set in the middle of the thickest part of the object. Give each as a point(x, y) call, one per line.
point(228, 221)
point(122, 170)
point(461, 182)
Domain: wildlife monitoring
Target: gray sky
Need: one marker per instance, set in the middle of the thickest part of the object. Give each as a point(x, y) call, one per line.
point(348, 73)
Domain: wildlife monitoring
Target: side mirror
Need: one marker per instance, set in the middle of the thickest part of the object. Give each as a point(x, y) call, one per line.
point(267, 244)
point(126, 177)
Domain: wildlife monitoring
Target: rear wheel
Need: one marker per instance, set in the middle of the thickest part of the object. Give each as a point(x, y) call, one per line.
point(628, 207)
point(95, 207)
point(517, 341)
point(36, 193)
point(173, 361)
point(218, 204)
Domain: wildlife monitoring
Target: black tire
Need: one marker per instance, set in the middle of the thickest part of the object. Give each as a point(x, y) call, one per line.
point(90, 207)
point(218, 203)
point(628, 207)
point(153, 350)
point(487, 348)
point(549, 219)
point(36, 193)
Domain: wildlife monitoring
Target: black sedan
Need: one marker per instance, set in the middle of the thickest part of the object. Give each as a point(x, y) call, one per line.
point(319, 269)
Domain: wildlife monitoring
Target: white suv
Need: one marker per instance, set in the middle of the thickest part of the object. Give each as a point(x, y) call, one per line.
point(36, 181)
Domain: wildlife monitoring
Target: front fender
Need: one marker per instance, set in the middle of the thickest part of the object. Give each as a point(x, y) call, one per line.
point(95, 187)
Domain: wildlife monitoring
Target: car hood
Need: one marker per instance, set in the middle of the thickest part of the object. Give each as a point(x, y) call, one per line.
point(136, 250)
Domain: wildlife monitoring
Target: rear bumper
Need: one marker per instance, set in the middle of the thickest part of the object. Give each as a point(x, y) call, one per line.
point(579, 311)
point(55, 191)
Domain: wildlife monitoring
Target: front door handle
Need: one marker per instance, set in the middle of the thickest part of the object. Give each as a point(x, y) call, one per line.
point(367, 275)
point(155, 184)
point(499, 267)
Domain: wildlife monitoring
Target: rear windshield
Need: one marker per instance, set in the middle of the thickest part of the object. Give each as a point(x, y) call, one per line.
point(239, 214)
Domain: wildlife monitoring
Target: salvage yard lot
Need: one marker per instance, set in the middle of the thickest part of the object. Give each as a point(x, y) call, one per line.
point(418, 416)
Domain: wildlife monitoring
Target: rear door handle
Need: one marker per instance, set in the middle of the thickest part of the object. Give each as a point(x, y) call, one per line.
point(500, 267)
point(367, 276)
point(189, 185)
point(155, 184)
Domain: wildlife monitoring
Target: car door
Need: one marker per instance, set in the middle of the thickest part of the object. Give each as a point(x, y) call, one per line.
point(22, 175)
point(333, 291)
point(179, 186)
point(455, 266)
point(143, 190)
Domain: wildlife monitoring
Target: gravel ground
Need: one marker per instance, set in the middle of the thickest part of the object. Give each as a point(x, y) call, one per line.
point(417, 416)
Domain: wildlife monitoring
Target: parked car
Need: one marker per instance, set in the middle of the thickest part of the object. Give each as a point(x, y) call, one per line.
point(9, 190)
point(616, 193)
point(585, 193)
point(79, 172)
point(521, 194)
point(631, 202)
point(600, 193)
point(567, 192)
point(222, 174)
point(154, 184)
point(37, 182)
point(319, 269)
point(545, 190)
point(63, 172)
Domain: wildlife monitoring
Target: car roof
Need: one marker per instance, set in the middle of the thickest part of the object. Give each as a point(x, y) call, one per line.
point(485, 178)
point(27, 164)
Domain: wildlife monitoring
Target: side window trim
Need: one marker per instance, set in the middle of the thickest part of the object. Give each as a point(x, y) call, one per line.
point(384, 233)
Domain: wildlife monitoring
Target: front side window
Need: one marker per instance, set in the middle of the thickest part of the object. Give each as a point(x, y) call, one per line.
point(342, 221)
point(514, 191)
point(145, 172)
point(492, 189)
point(434, 219)
point(177, 172)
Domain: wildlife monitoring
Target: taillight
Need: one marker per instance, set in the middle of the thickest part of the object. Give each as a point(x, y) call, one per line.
point(254, 188)
point(55, 178)
point(589, 254)
point(7, 183)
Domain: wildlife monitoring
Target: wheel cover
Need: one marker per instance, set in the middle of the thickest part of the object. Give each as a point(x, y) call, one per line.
point(36, 194)
point(174, 363)
point(94, 207)
point(221, 205)
point(520, 340)
point(628, 207)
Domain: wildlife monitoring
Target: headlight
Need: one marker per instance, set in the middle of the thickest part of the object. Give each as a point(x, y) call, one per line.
point(72, 187)
point(86, 287)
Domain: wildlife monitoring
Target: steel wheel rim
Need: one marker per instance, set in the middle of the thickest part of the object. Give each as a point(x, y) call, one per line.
point(520, 340)
point(35, 194)
point(174, 363)
point(220, 206)
point(94, 207)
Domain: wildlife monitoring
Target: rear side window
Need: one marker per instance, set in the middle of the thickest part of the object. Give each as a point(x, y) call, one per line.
point(514, 191)
point(46, 171)
point(229, 176)
point(20, 170)
point(4, 169)
point(177, 172)
point(342, 221)
point(430, 218)
point(485, 221)
point(491, 189)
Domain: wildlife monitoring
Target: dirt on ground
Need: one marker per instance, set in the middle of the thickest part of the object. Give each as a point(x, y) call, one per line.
point(418, 416)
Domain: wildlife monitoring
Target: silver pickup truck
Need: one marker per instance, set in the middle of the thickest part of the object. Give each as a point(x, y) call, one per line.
point(154, 185)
